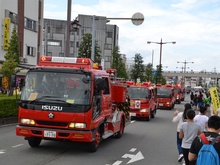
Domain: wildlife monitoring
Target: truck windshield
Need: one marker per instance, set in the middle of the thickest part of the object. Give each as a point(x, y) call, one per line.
point(177, 90)
point(137, 93)
point(163, 93)
point(57, 87)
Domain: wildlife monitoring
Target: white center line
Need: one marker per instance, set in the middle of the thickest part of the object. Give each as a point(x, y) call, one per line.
point(2, 151)
point(18, 145)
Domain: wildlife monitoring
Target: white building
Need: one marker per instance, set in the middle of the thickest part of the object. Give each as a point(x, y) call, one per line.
point(27, 16)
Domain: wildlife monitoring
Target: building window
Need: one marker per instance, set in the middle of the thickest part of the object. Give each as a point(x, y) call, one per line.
point(31, 51)
point(61, 54)
point(49, 53)
point(109, 34)
point(59, 29)
point(108, 46)
point(54, 43)
point(13, 17)
point(30, 24)
point(107, 58)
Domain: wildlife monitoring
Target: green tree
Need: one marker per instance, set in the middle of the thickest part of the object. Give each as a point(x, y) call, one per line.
point(13, 50)
point(117, 63)
point(11, 57)
point(159, 77)
point(138, 69)
point(149, 72)
point(85, 48)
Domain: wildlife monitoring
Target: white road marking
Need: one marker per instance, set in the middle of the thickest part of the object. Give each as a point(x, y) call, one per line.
point(117, 162)
point(132, 121)
point(133, 149)
point(137, 157)
point(2, 151)
point(18, 145)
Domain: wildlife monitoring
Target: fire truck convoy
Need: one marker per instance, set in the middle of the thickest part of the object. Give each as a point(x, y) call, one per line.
point(79, 105)
point(179, 93)
point(142, 101)
point(165, 96)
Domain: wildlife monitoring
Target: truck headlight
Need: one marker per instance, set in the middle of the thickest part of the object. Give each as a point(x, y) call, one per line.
point(77, 125)
point(144, 110)
point(168, 103)
point(27, 121)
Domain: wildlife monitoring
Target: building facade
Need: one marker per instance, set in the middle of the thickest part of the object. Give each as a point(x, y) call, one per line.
point(27, 16)
point(55, 37)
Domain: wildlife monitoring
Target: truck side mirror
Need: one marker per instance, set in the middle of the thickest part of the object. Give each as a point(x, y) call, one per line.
point(100, 84)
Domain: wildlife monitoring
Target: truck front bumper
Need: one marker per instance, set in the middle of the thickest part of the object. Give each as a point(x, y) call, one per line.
point(55, 134)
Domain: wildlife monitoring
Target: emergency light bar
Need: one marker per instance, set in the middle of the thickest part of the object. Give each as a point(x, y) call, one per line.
point(130, 83)
point(67, 61)
point(146, 84)
point(158, 85)
point(169, 86)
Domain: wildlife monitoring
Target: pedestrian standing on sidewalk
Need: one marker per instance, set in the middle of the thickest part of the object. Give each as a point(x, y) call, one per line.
point(195, 102)
point(202, 119)
point(188, 131)
point(191, 97)
point(180, 117)
point(200, 101)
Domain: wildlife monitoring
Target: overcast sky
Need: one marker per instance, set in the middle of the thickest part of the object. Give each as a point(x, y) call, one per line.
point(193, 24)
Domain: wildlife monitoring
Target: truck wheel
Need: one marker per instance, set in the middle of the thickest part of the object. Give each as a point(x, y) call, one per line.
point(121, 130)
point(34, 142)
point(148, 118)
point(153, 114)
point(94, 144)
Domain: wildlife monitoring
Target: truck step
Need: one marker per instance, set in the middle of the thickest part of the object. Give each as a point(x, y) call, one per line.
point(107, 134)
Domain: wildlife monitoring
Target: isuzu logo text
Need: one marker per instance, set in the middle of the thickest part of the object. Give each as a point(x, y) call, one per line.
point(52, 108)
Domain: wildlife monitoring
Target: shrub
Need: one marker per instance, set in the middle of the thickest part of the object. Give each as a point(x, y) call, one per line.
point(8, 105)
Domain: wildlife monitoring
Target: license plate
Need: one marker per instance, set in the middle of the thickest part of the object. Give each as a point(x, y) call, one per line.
point(132, 114)
point(160, 104)
point(50, 134)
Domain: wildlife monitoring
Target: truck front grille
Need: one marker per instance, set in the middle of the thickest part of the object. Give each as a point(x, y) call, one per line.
point(51, 123)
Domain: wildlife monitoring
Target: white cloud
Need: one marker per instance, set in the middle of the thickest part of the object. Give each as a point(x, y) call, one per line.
point(193, 24)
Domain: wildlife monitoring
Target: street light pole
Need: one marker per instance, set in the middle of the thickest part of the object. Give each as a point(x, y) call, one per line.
point(184, 62)
point(161, 43)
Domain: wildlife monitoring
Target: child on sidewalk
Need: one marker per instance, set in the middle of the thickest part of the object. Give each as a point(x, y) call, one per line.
point(188, 131)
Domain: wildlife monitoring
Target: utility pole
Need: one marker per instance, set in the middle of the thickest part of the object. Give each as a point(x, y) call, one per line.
point(184, 62)
point(67, 52)
point(161, 43)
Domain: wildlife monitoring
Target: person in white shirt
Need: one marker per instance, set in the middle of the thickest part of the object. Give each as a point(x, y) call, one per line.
point(180, 117)
point(202, 119)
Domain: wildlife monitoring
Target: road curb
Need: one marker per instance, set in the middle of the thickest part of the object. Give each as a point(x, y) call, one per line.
point(8, 120)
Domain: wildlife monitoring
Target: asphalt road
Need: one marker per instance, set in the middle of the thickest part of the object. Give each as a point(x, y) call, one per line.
point(143, 143)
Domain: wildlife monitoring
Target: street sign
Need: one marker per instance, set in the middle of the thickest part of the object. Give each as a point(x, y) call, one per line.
point(137, 19)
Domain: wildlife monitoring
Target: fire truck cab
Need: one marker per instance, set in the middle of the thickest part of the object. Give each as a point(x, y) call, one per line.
point(77, 105)
point(165, 96)
point(142, 100)
point(179, 93)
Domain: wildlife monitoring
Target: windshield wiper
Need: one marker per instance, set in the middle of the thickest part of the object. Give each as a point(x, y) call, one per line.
point(41, 98)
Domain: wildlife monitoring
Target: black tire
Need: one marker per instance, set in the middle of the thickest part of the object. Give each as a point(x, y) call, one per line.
point(148, 118)
point(34, 142)
point(93, 146)
point(121, 130)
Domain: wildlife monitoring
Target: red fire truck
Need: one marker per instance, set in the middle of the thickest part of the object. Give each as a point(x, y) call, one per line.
point(179, 93)
point(165, 96)
point(142, 100)
point(79, 105)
